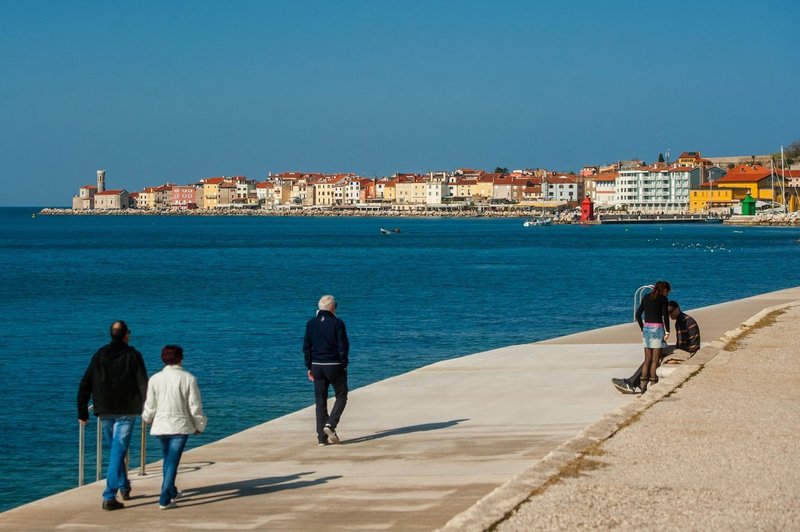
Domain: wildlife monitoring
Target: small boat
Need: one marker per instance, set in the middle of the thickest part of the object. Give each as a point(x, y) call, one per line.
point(394, 231)
point(713, 220)
point(537, 221)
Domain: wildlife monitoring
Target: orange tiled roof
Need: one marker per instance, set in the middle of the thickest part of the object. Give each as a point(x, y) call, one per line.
point(745, 174)
point(110, 193)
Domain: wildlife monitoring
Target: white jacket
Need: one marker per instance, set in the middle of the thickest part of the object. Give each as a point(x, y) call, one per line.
point(173, 404)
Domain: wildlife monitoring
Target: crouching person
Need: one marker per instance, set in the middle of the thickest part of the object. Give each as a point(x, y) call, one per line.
point(175, 410)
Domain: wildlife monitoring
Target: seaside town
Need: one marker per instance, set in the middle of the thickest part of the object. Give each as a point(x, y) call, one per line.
point(691, 185)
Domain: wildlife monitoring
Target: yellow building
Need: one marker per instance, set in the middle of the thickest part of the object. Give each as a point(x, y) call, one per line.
point(323, 193)
point(211, 192)
point(390, 191)
point(484, 188)
point(728, 191)
point(411, 192)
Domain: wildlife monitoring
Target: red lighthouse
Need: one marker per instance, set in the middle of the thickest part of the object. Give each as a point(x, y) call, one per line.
point(587, 209)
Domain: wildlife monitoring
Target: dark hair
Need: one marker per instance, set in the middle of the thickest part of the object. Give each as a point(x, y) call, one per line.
point(660, 289)
point(118, 330)
point(172, 354)
point(672, 305)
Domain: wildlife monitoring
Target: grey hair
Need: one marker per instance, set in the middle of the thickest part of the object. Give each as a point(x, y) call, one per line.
point(327, 303)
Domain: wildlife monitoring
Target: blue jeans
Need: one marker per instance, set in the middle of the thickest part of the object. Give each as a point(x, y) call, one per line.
point(117, 435)
point(172, 448)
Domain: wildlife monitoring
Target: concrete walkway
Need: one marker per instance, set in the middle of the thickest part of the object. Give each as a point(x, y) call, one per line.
point(718, 453)
point(418, 449)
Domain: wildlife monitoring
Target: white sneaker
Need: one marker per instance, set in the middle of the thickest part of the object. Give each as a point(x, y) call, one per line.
point(328, 430)
point(169, 506)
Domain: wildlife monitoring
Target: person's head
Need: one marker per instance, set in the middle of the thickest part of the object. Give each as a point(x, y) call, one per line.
point(327, 303)
point(119, 331)
point(674, 309)
point(661, 289)
point(172, 355)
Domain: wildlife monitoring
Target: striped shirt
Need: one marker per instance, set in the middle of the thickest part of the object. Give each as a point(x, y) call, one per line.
point(688, 333)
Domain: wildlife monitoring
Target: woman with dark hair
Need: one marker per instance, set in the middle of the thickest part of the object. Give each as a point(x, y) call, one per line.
point(655, 329)
point(175, 409)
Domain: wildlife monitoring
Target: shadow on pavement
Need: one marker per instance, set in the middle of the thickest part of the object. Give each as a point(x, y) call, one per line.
point(424, 427)
point(247, 488)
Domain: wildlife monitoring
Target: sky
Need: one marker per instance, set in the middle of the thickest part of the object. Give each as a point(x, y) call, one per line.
point(175, 91)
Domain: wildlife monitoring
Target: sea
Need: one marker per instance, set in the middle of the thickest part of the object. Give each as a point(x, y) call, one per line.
point(235, 293)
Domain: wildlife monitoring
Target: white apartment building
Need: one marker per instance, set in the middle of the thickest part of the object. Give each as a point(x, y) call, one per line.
point(562, 187)
point(436, 191)
point(352, 192)
point(656, 189)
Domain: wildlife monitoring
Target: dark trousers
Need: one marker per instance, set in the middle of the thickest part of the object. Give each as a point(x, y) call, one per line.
point(324, 377)
point(637, 375)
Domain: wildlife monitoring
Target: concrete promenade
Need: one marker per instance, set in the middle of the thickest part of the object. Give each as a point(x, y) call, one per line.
point(719, 452)
point(461, 444)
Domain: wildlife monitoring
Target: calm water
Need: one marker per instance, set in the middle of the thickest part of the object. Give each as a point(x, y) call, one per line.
point(235, 292)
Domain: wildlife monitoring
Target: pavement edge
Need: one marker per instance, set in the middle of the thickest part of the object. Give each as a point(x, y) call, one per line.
point(502, 501)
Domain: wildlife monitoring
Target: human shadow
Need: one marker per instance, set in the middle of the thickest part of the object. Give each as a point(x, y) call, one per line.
point(215, 493)
point(423, 427)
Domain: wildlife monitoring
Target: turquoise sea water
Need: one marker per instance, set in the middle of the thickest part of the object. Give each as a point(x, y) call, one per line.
point(235, 292)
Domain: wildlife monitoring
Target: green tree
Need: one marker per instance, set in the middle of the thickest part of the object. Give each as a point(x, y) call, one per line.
point(500, 170)
point(661, 157)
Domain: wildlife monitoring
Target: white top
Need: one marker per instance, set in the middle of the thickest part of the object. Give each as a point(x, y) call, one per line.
point(173, 404)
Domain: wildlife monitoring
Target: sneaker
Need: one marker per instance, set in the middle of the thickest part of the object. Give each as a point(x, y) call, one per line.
point(125, 494)
point(178, 495)
point(112, 504)
point(331, 434)
point(322, 444)
point(623, 386)
point(169, 506)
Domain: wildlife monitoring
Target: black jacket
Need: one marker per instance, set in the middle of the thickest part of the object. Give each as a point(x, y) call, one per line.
point(654, 310)
point(116, 380)
point(326, 340)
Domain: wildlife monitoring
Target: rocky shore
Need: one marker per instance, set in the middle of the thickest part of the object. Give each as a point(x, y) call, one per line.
point(779, 219)
point(465, 212)
point(494, 211)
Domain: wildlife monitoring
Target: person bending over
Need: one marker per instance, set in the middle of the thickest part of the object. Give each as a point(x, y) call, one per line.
point(687, 339)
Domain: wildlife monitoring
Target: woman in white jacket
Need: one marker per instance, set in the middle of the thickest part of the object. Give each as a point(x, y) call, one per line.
point(174, 409)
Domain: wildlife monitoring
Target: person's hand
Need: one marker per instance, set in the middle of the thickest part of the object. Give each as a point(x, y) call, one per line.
point(197, 433)
point(310, 376)
point(83, 421)
point(666, 335)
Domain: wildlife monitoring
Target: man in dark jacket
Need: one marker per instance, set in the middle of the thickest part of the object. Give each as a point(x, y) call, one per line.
point(688, 339)
point(116, 380)
point(326, 351)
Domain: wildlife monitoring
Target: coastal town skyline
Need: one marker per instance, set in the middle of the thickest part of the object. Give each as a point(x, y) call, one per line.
point(171, 92)
point(691, 184)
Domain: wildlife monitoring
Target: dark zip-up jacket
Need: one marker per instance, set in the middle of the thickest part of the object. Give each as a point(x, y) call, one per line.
point(326, 340)
point(116, 380)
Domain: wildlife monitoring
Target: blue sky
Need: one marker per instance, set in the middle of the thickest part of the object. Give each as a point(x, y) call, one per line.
point(158, 91)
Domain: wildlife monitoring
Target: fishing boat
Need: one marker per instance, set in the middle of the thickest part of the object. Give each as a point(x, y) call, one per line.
point(537, 221)
point(393, 231)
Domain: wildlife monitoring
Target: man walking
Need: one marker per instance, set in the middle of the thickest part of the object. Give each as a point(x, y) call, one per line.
point(326, 351)
point(116, 380)
point(688, 339)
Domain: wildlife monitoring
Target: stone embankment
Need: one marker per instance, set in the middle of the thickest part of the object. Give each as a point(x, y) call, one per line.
point(467, 212)
point(788, 218)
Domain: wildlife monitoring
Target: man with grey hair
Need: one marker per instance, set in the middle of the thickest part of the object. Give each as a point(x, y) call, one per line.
point(326, 349)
